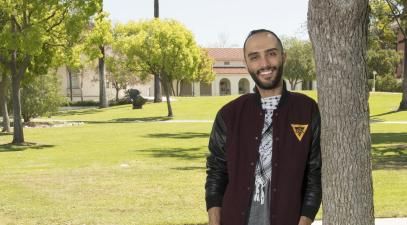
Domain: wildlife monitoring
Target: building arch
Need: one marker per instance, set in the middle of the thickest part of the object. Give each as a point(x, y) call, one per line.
point(224, 86)
point(244, 86)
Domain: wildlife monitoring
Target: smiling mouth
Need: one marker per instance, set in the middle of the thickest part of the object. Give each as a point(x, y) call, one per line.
point(266, 74)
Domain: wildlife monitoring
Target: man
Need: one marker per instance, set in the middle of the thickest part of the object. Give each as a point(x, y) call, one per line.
point(264, 165)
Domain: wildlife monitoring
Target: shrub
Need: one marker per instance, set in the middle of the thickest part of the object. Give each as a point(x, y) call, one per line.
point(136, 99)
point(388, 83)
point(40, 96)
point(83, 103)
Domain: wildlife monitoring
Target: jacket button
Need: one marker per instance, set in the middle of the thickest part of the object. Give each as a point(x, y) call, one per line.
point(275, 164)
point(277, 138)
point(257, 138)
point(242, 213)
point(274, 189)
point(276, 114)
point(248, 188)
point(252, 164)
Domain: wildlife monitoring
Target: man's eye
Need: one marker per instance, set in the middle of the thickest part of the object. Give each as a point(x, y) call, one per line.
point(253, 57)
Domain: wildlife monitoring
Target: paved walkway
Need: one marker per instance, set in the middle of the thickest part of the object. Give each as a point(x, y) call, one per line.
point(380, 221)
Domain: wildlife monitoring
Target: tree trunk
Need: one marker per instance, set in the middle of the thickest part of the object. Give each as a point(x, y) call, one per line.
point(157, 89)
point(157, 86)
point(292, 84)
point(156, 9)
point(403, 103)
point(82, 85)
point(70, 82)
point(167, 95)
point(18, 134)
point(3, 100)
point(117, 94)
point(338, 32)
point(102, 80)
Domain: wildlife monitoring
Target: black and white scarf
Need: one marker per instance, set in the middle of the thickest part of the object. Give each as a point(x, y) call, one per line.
point(263, 167)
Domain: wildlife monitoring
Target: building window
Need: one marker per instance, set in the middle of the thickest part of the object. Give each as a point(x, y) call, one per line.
point(226, 63)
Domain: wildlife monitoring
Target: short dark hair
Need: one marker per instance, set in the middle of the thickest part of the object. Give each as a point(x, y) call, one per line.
point(253, 32)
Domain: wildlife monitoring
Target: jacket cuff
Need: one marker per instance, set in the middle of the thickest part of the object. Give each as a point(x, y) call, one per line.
point(309, 211)
point(213, 201)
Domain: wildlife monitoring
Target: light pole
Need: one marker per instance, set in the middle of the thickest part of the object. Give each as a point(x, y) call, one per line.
point(374, 81)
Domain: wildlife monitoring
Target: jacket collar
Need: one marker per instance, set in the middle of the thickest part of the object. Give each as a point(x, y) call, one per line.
point(283, 98)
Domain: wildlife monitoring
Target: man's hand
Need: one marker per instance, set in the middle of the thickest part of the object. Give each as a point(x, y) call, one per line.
point(305, 221)
point(214, 215)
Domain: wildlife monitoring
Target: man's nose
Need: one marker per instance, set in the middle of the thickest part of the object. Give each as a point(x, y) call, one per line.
point(264, 62)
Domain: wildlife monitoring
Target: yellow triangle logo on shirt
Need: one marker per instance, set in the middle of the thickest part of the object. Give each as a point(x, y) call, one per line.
point(299, 130)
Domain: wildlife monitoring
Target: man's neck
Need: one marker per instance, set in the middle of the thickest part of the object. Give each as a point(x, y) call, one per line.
point(264, 93)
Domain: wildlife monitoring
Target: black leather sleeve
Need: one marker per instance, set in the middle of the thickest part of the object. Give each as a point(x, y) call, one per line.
point(312, 180)
point(216, 169)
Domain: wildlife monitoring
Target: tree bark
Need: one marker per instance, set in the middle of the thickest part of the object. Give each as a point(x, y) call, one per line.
point(156, 9)
point(82, 85)
point(338, 32)
point(117, 94)
point(3, 100)
point(103, 103)
point(70, 82)
point(157, 86)
point(157, 89)
point(18, 133)
point(403, 102)
point(166, 86)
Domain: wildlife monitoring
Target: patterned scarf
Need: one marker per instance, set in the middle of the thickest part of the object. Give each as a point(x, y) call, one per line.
point(263, 167)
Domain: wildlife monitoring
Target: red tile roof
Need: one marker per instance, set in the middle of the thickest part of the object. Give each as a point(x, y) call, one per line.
point(226, 53)
point(230, 70)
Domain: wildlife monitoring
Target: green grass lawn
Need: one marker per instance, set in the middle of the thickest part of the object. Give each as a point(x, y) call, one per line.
point(127, 166)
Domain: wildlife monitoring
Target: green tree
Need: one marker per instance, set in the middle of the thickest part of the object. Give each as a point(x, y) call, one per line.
point(382, 55)
point(31, 27)
point(120, 72)
point(383, 61)
point(163, 47)
point(99, 36)
point(398, 15)
point(299, 65)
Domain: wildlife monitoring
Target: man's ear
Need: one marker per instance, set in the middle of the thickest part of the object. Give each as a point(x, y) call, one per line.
point(284, 56)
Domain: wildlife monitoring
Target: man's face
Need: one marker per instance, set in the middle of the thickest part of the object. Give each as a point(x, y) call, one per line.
point(264, 60)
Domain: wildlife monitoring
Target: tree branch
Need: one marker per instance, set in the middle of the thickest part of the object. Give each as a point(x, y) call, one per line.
point(58, 22)
point(14, 19)
point(393, 8)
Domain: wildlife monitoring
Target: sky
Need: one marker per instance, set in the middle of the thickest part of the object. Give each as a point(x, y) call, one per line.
point(215, 21)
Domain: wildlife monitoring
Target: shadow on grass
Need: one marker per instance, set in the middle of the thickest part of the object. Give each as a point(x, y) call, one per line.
point(78, 112)
point(392, 152)
point(180, 153)
point(189, 168)
point(5, 134)
point(185, 135)
point(23, 147)
point(131, 120)
point(143, 119)
point(383, 114)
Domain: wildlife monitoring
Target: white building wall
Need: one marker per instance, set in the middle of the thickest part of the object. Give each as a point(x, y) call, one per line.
point(90, 86)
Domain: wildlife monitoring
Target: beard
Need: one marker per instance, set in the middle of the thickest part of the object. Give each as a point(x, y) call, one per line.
point(273, 83)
